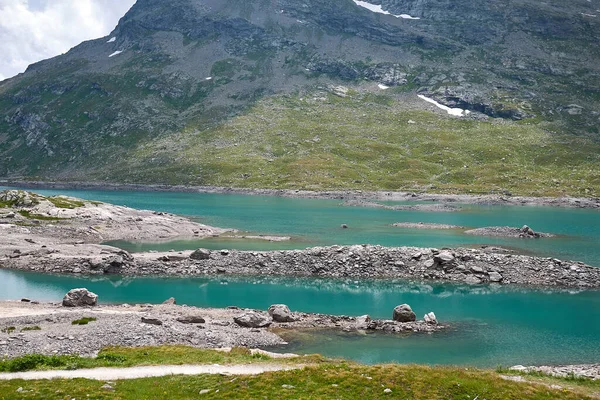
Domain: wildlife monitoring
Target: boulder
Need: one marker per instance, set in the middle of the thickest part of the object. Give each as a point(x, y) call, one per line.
point(495, 277)
point(191, 319)
point(252, 319)
point(362, 322)
point(170, 301)
point(151, 321)
point(344, 226)
point(430, 318)
point(403, 313)
point(200, 254)
point(281, 313)
point(445, 257)
point(80, 298)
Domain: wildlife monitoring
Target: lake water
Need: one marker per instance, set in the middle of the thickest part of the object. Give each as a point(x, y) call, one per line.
point(490, 326)
point(313, 222)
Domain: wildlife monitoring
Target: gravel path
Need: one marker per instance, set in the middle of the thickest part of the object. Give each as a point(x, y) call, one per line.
point(112, 374)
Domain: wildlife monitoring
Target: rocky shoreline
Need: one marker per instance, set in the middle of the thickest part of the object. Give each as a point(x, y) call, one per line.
point(482, 199)
point(50, 328)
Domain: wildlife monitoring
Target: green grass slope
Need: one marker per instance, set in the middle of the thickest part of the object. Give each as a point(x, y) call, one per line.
point(368, 141)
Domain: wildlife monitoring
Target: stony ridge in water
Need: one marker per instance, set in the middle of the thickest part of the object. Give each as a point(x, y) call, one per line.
point(458, 265)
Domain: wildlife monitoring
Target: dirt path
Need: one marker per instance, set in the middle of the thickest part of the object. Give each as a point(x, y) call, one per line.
point(103, 374)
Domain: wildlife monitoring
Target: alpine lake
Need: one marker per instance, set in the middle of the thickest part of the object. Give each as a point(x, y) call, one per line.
point(490, 325)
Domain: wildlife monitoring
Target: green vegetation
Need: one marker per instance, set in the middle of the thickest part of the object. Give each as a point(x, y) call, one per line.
point(39, 217)
point(326, 380)
point(9, 329)
point(369, 142)
point(129, 357)
point(31, 328)
point(65, 202)
point(83, 321)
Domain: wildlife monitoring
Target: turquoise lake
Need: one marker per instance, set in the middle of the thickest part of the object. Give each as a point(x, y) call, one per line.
point(490, 326)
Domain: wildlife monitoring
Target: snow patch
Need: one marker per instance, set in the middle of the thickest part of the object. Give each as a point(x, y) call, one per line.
point(383, 87)
point(112, 39)
point(116, 53)
point(459, 112)
point(379, 10)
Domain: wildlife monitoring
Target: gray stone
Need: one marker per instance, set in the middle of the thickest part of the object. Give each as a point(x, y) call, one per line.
point(107, 387)
point(444, 257)
point(205, 391)
point(281, 313)
point(430, 318)
point(200, 254)
point(191, 319)
point(344, 226)
point(403, 313)
point(151, 321)
point(80, 298)
point(252, 319)
point(170, 301)
point(472, 280)
point(429, 263)
point(495, 277)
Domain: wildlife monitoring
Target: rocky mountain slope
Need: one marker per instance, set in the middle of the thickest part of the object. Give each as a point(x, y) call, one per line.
point(314, 94)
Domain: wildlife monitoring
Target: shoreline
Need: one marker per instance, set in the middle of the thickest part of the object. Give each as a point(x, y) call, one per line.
point(382, 195)
point(49, 328)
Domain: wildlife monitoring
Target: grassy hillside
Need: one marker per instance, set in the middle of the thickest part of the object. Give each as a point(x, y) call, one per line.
point(369, 141)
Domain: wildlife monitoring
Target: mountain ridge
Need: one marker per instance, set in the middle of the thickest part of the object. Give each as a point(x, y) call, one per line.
point(180, 72)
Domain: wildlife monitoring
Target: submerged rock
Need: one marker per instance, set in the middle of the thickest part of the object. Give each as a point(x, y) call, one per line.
point(80, 298)
point(403, 313)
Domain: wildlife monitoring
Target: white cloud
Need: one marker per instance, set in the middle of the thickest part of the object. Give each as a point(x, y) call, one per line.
point(33, 30)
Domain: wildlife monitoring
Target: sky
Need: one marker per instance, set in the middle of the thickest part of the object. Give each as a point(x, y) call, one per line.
point(34, 30)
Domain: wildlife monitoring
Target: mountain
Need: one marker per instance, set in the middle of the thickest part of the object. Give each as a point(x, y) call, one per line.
point(320, 94)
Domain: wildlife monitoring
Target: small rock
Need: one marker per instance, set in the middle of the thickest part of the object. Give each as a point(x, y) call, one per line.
point(288, 386)
point(252, 319)
point(107, 387)
point(495, 277)
point(472, 280)
point(19, 390)
point(26, 300)
point(200, 254)
point(205, 391)
point(430, 318)
point(151, 321)
point(388, 390)
point(403, 313)
point(191, 319)
point(444, 257)
point(344, 226)
point(170, 301)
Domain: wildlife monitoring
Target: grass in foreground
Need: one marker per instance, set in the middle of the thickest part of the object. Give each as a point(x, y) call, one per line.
point(129, 357)
point(329, 380)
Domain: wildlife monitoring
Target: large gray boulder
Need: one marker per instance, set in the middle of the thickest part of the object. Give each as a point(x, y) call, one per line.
point(403, 313)
point(252, 319)
point(80, 298)
point(200, 254)
point(281, 313)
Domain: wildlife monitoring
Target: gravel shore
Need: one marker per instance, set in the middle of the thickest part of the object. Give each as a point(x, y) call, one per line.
point(122, 325)
point(484, 199)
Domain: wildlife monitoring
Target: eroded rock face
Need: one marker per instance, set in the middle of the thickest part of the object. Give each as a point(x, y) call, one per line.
point(403, 313)
point(281, 313)
point(80, 298)
point(252, 319)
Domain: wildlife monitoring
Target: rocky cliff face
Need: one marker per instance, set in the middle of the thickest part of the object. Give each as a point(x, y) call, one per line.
point(176, 66)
